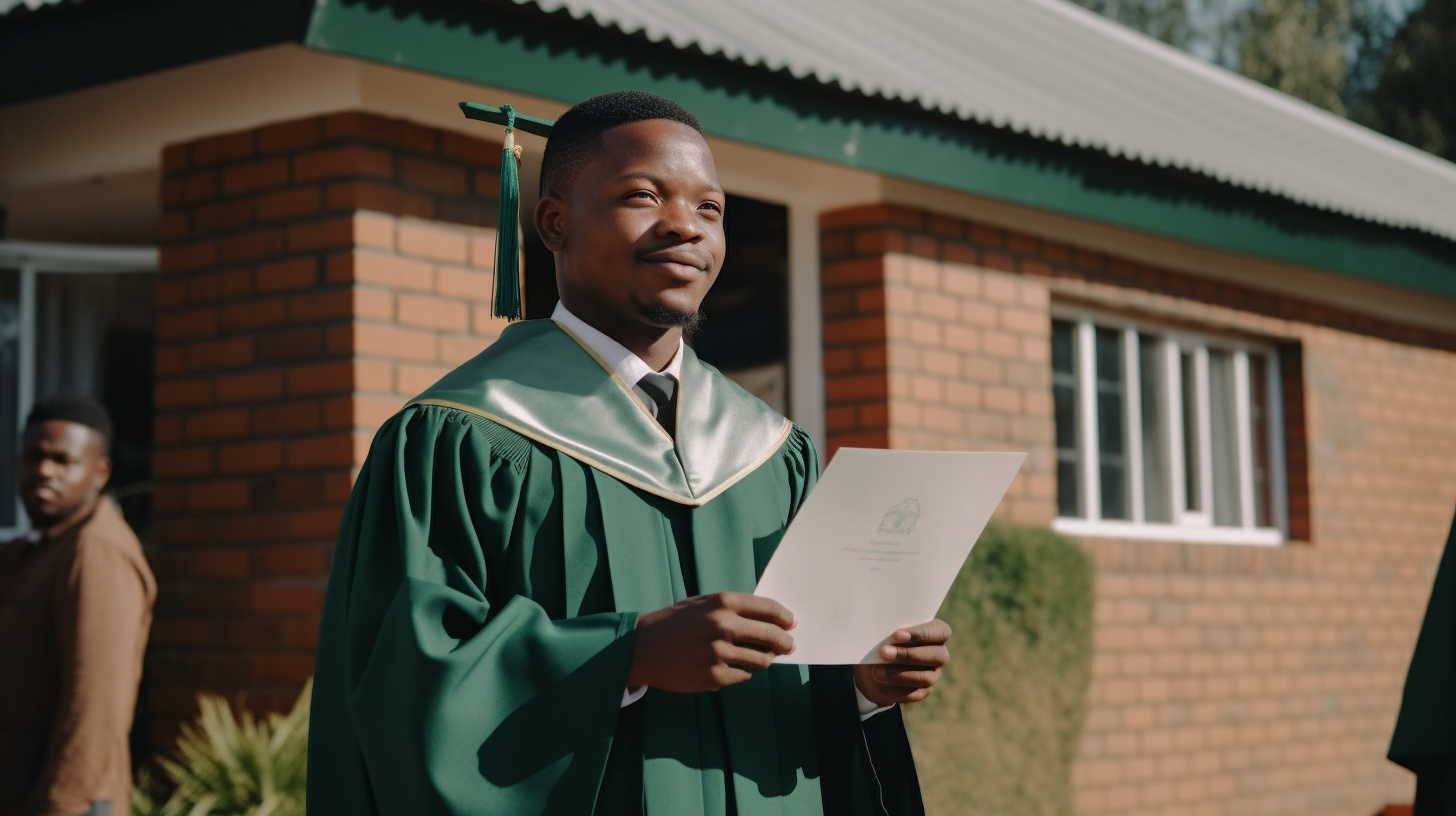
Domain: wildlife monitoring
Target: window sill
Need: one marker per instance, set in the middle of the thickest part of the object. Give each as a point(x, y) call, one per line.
point(1255, 537)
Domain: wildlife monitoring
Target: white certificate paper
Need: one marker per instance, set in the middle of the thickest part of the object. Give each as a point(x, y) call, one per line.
point(878, 544)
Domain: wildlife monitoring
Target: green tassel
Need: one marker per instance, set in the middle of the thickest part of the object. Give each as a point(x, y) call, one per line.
point(507, 299)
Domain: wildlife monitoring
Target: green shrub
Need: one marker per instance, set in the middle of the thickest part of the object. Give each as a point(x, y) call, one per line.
point(225, 766)
point(1000, 732)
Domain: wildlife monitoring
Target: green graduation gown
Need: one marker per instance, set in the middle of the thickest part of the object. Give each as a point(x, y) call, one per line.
point(1425, 731)
point(502, 537)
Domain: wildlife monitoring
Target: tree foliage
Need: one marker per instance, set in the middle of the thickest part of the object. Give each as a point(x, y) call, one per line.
point(1166, 20)
point(1298, 47)
point(1414, 99)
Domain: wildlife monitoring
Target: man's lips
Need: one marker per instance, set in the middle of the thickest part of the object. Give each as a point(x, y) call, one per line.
point(683, 265)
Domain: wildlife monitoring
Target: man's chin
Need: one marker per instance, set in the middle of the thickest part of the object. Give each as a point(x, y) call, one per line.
point(667, 317)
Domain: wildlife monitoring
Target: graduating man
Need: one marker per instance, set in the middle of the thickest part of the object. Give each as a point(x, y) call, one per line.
point(541, 597)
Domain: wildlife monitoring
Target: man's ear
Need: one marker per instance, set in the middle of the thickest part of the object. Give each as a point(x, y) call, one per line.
point(551, 222)
point(102, 473)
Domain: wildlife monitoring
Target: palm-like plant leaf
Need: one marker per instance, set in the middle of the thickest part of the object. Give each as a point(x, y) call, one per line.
point(234, 766)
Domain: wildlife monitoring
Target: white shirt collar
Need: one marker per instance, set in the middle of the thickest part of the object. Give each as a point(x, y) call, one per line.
point(624, 363)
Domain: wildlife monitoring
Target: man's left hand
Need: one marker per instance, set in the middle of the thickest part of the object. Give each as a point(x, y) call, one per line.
point(913, 659)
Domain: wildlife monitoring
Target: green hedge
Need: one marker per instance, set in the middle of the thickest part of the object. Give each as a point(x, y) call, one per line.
point(1000, 732)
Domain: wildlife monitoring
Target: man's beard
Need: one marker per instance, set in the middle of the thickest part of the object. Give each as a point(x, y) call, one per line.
point(659, 315)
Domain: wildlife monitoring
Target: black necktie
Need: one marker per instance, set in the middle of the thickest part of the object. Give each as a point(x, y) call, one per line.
point(657, 391)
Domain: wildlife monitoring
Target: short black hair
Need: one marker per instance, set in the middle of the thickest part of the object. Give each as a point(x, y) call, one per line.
point(579, 131)
point(73, 408)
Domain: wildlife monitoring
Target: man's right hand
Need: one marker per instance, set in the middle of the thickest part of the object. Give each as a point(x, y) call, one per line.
point(706, 642)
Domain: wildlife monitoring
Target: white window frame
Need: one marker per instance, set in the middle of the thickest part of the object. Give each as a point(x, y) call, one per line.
point(30, 260)
point(1193, 525)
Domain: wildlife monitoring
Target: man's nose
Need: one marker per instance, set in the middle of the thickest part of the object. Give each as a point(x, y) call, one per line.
point(680, 219)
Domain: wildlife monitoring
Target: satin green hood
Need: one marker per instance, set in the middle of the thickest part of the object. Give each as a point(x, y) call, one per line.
point(541, 382)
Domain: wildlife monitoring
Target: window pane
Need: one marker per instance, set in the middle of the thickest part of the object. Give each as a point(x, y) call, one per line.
point(9, 388)
point(1223, 421)
point(1259, 433)
point(1152, 378)
point(1192, 470)
point(1064, 397)
point(1111, 421)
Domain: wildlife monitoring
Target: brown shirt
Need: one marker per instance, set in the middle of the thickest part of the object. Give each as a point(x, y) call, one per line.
point(75, 610)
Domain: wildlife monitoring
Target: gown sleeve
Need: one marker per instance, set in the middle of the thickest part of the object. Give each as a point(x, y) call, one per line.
point(867, 767)
point(436, 691)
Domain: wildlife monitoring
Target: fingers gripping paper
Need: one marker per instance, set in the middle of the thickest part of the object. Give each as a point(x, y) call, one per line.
point(877, 545)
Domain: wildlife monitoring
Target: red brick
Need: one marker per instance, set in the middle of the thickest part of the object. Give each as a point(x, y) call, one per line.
point(486, 184)
point(368, 195)
point(414, 378)
point(322, 524)
point(250, 386)
point(855, 387)
point(835, 245)
point(186, 257)
point(287, 599)
point(214, 496)
point(224, 423)
point(251, 245)
point(840, 418)
point(288, 274)
point(858, 330)
point(180, 632)
point(456, 282)
point(221, 217)
point(870, 301)
point(363, 126)
point(334, 304)
point(838, 361)
point(218, 669)
point(379, 340)
point(290, 203)
point(174, 159)
point(470, 149)
point(343, 160)
point(216, 564)
point(183, 393)
point(923, 246)
point(335, 233)
point(171, 361)
point(337, 487)
point(1022, 243)
point(998, 260)
point(181, 462)
point(172, 226)
point(321, 378)
point(253, 314)
point(216, 149)
point(434, 176)
point(947, 226)
point(251, 528)
point(870, 215)
point(873, 358)
point(167, 430)
point(960, 254)
point(292, 559)
point(879, 241)
point(250, 457)
point(386, 270)
point(841, 273)
point(988, 236)
point(232, 352)
point(289, 346)
point(288, 136)
point(189, 189)
point(258, 175)
point(224, 285)
point(282, 668)
point(321, 451)
point(430, 312)
point(171, 293)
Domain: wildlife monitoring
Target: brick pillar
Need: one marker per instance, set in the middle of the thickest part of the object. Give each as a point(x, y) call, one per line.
point(930, 343)
point(313, 275)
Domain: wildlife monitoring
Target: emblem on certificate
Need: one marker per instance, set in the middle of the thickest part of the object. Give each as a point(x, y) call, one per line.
point(901, 519)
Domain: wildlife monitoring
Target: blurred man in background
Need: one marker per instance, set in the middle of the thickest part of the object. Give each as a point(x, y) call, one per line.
point(75, 608)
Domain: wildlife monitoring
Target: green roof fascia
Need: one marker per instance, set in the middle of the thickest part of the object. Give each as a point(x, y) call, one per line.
point(558, 58)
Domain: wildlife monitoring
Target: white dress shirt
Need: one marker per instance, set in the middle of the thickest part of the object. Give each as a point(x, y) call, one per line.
point(630, 368)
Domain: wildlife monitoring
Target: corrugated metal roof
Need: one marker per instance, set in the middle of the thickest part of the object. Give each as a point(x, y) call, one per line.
point(1056, 71)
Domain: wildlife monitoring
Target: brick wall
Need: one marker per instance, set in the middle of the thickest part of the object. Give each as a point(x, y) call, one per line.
point(1227, 679)
point(314, 274)
point(926, 349)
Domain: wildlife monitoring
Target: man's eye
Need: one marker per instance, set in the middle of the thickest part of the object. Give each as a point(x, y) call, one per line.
point(713, 206)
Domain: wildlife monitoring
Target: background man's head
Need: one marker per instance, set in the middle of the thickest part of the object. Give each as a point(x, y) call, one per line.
point(632, 210)
point(64, 459)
